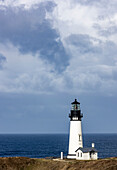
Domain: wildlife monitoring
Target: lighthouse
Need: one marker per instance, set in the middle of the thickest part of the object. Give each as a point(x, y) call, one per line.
point(76, 150)
point(75, 136)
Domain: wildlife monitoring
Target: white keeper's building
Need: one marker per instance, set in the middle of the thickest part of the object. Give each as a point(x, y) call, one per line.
point(76, 149)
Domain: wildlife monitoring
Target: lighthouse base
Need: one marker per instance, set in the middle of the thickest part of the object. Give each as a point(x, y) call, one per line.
point(71, 156)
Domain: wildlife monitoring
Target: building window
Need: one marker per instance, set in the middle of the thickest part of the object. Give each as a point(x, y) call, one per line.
point(81, 154)
point(78, 154)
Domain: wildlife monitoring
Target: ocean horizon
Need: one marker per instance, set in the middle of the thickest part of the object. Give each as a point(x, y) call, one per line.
point(35, 145)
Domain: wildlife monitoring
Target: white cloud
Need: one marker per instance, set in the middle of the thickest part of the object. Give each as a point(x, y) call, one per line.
point(30, 74)
point(93, 55)
point(73, 17)
point(91, 79)
point(25, 72)
point(92, 65)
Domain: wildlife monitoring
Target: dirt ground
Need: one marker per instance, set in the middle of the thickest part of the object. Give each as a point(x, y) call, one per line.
point(23, 163)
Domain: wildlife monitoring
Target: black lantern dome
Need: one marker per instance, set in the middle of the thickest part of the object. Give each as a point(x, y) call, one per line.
point(75, 111)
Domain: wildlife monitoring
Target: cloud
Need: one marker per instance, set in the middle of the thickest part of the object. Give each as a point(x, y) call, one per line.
point(26, 4)
point(52, 52)
point(60, 46)
point(25, 72)
point(85, 17)
point(93, 65)
point(88, 32)
point(32, 32)
point(2, 60)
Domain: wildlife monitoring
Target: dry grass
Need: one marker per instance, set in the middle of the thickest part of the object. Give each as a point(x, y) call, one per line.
point(23, 163)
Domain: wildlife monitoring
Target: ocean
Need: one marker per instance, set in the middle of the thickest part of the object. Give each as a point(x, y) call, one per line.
point(51, 145)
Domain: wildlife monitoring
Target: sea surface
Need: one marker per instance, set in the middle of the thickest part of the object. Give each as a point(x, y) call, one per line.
point(50, 145)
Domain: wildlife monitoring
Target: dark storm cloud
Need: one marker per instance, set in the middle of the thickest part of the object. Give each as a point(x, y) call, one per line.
point(31, 32)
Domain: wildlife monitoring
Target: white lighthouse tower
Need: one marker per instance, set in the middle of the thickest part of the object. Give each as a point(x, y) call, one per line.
point(75, 136)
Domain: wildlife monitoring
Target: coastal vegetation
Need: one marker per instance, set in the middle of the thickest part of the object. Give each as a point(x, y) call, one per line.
point(24, 163)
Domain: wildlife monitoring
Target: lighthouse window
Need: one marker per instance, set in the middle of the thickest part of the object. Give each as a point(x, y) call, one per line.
point(81, 154)
point(78, 154)
point(79, 137)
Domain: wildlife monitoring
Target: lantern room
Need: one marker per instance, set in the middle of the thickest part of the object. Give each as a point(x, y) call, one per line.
point(75, 105)
point(75, 111)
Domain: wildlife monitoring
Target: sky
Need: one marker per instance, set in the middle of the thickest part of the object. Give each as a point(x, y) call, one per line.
point(51, 52)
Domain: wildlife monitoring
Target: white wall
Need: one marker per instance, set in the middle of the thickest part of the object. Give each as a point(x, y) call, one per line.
point(75, 131)
point(94, 156)
point(82, 156)
point(86, 156)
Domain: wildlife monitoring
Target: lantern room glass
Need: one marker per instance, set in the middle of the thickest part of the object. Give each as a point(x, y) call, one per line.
point(75, 106)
